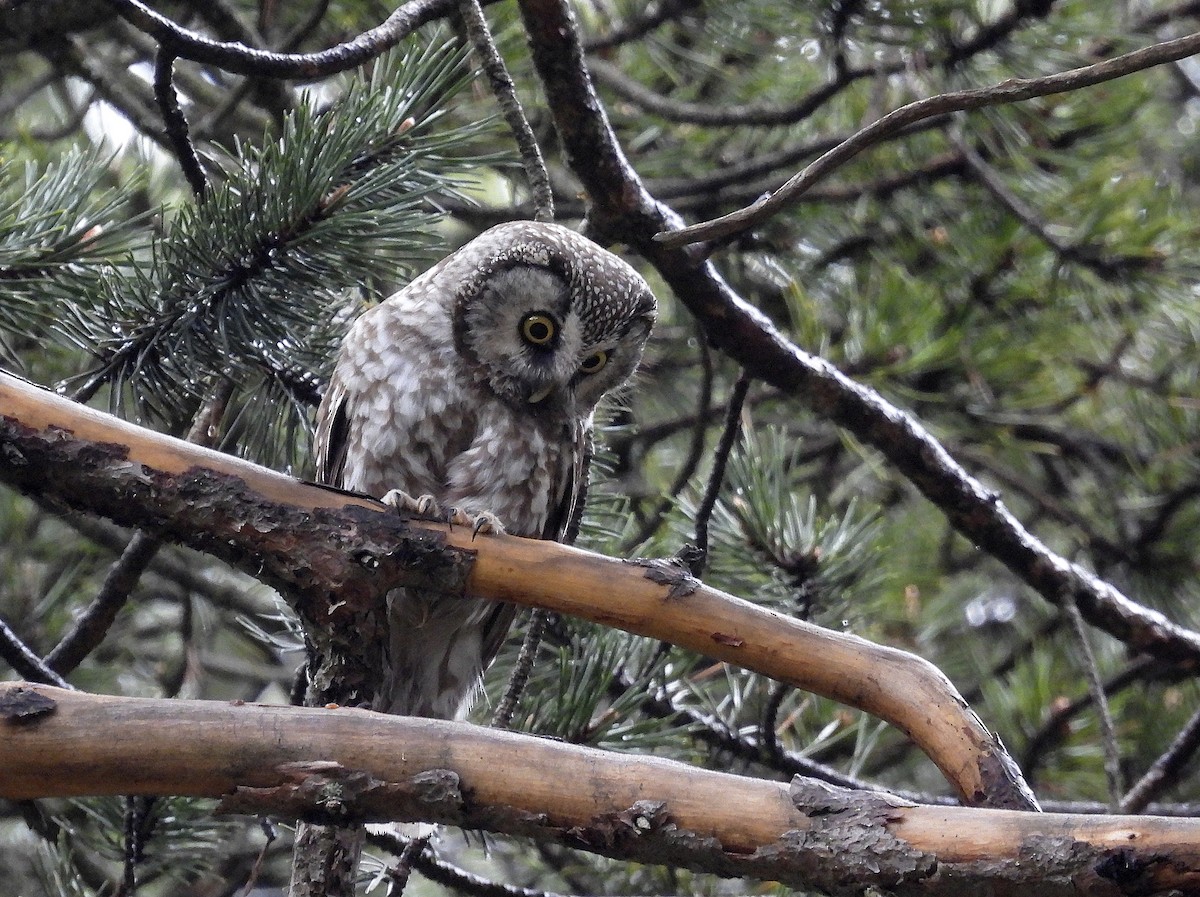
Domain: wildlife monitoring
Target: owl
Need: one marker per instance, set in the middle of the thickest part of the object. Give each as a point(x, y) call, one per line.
point(474, 388)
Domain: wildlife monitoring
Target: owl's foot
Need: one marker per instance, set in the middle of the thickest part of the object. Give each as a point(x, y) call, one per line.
point(486, 522)
point(427, 507)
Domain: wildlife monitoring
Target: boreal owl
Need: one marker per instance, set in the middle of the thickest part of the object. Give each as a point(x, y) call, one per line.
point(474, 388)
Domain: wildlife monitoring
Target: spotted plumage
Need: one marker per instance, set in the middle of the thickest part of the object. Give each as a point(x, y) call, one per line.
point(476, 385)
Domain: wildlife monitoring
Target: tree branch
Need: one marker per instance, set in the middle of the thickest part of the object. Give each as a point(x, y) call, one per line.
point(243, 60)
point(622, 208)
point(335, 555)
point(1013, 90)
point(505, 92)
point(343, 764)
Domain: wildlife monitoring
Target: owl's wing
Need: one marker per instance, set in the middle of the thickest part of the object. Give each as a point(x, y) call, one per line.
point(562, 525)
point(333, 425)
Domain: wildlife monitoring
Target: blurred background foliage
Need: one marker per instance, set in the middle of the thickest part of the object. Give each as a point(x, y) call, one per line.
point(1022, 279)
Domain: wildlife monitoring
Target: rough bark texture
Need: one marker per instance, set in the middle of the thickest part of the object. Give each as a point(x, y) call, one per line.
point(334, 555)
point(345, 766)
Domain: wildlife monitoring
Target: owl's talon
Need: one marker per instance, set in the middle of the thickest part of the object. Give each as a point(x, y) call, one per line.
point(425, 506)
point(488, 524)
point(484, 522)
point(458, 517)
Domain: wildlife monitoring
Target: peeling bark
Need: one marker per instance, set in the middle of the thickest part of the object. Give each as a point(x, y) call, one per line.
point(334, 555)
point(346, 766)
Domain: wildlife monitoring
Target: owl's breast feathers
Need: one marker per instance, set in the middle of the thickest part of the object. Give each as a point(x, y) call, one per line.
point(406, 409)
point(400, 414)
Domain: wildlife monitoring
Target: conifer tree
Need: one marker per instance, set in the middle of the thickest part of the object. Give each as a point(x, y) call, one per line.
point(195, 202)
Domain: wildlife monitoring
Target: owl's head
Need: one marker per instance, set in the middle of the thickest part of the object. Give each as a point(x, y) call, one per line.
point(548, 319)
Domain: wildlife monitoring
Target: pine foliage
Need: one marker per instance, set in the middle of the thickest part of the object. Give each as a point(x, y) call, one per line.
point(1022, 280)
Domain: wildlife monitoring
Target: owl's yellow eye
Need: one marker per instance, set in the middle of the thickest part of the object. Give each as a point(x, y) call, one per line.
point(594, 362)
point(537, 329)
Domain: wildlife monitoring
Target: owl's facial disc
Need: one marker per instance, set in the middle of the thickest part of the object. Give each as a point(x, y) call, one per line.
point(543, 347)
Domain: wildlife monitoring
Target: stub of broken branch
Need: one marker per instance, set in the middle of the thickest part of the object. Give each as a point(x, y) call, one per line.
point(341, 765)
point(334, 556)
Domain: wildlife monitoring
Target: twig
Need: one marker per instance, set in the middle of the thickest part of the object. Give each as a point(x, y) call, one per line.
point(307, 27)
point(240, 59)
point(710, 115)
point(111, 82)
point(510, 106)
point(129, 864)
point(720, 459)
point(400, 873)
point(25, 661)
point(1011, 91)
point(1088, 256)
point(1162, 774)
point(502, 718)
point(1112, 753)
point(93, 624)
point(441, 872)
point(1052, 728)
point(139, 826)
point(699, 427)
point(268, 829)
point(539, 617)
point(770, 739)
point(643, 22)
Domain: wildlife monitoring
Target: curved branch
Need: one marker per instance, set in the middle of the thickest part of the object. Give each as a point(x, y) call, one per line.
point(1013, 90)
point(707, 114)
point(335, 555)
point(243, 60)
point(342, 764)
point(622, 208)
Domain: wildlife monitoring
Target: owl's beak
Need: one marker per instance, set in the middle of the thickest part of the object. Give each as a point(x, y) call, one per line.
point(537, 396)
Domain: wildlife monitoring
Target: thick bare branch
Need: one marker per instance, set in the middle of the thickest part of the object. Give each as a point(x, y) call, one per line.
point(343, 764)
point(334, 555)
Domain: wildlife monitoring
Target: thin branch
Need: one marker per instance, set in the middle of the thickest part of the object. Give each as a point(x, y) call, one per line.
point(25, 661)
point(1011, 91)
point(399, 874)
point(707, 114)
point(1166, 769)
point(93, 624)
point(111, 82)
point(237, 57)
point(716, 477)
point(506, 95)
point(307, 27)
point(440, 872)
point(1051, 731)
point(1108, 732)
point(642, 22)
point(1031, 220)
point(502, 718)
point(268, 830)
point(699, 427)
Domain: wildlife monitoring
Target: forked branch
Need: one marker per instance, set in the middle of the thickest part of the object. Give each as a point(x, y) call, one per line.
point(334, 556)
